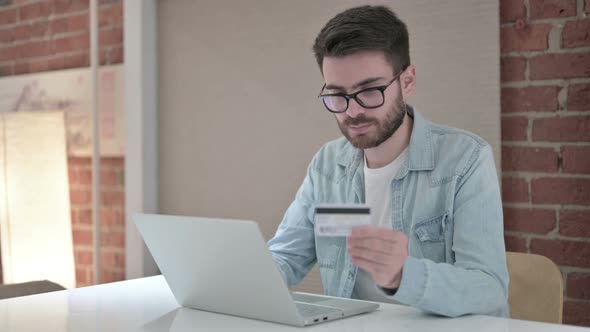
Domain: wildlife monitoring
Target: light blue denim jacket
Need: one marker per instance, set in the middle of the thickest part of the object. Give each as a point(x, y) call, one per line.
point(446, 199)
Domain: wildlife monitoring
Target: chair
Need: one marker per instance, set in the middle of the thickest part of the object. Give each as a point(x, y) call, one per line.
point(536, 288)
point(28, 288)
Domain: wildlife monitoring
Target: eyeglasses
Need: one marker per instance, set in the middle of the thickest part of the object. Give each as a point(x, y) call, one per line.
point(368, 98)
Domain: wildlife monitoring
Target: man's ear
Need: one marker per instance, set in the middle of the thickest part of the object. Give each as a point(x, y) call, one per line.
point(408, 81)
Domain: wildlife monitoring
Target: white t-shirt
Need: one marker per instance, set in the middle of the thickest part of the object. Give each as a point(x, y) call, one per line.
point(378, 197)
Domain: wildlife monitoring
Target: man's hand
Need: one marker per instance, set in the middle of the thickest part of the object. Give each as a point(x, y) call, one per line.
point(379, 251)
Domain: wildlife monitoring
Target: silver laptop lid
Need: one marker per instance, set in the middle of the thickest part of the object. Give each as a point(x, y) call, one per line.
point(218, 265)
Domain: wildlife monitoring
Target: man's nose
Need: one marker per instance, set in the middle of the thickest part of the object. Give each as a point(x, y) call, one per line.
point(354, 109)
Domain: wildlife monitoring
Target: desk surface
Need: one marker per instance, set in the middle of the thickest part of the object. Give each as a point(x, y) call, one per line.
point(148, 305)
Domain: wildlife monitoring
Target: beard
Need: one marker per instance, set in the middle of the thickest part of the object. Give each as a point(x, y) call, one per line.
point(383, 129)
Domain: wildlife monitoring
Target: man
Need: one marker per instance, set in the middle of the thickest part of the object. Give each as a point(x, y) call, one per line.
point(436, 235)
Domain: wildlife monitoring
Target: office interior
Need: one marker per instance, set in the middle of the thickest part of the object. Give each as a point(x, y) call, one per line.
point(209, 108)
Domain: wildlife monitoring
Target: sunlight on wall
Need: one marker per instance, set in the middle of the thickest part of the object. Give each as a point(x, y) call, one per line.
point(35, 226)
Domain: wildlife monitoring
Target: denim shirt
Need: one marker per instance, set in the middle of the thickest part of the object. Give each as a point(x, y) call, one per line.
point(446, 199)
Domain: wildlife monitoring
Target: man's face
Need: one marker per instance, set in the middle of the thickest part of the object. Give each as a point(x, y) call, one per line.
point(365, 128)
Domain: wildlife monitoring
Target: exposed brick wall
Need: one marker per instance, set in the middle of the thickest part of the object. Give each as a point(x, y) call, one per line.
point(545, 71)
point(45, 35)
point(112, 215)
point(42, 35)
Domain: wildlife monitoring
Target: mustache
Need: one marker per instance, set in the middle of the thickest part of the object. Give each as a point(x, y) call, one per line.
point(359, 121)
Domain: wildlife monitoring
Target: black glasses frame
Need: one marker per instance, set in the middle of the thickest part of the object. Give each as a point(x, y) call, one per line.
point(348, 97)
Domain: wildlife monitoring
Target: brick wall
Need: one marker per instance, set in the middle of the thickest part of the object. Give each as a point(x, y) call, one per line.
point(545, 70)
point(45, 35)
point(112, 215)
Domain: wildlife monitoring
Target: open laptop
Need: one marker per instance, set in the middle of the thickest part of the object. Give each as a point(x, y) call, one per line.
point(224, 266)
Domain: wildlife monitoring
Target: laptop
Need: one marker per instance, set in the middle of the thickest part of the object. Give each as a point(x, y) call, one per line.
point(224, 266)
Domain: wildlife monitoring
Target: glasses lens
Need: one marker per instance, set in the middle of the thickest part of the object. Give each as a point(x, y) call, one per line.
point(335, 103)
point(370, 98)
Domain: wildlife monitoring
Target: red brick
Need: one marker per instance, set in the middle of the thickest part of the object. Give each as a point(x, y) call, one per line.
point(84, 257)
point(113, 239)
point(113, 198)
point(529, 159)
point(7, 16)
point(562, 129)
point(552, 8)
point(22, 68)
point(576, 159)
point(578, 97)
point(537, 221)
point(116, 55)
point(69, 6)
point(566, 253)
point(576, 313)
point(113, 162)
point(22, 32)
point(84, 177)
point(107, 2)
point(35, 49)
point(533, 37)
point(72, 176)
point(512, 69)
point(39, 66)
point(108, 218)
point(78, 23)
point(530, 99)
point(82, 276)
point(111, 15)
point(560, 66)
point(6, 36)
point(35, 10)
point(561, 191)
point(113, 260)
point(79, 161)
point(6, 70)
point(103, 56)
point(39, 29)
point(514, 243)
point(111, 276)
point(574, 223)
point(578, 285)
point(67, 44)
point(109, 178)
point(576, 34)
point(514, 128)
point(514, 190)
point(82, 237)
point(59, 25)
point(510, 10)
point(107, 37)
point(56, 62)
point(85, 216)
point(9, 53)
point(116, 17)
point(77, 60)
point(80, 197)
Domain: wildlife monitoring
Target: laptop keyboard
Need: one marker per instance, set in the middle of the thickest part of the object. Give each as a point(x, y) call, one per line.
point(310, 310)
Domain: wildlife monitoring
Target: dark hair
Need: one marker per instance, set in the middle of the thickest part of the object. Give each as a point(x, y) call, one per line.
point(361, 29)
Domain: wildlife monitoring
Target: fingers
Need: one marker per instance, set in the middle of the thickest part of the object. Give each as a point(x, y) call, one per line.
point(377, 245)
point(376, 257)
point(382, 275)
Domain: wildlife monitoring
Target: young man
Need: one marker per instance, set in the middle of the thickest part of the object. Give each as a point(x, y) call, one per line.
point(436, 239)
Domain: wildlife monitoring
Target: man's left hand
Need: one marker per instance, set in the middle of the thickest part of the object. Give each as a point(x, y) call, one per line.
point(379, 251)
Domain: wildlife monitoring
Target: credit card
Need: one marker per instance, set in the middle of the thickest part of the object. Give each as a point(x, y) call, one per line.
point(339, 220)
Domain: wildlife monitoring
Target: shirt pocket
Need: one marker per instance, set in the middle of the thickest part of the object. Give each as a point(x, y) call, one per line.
point(430, 234)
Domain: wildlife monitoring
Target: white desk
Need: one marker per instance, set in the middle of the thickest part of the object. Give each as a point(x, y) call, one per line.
point(148, 305)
